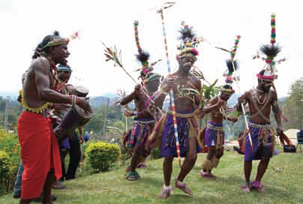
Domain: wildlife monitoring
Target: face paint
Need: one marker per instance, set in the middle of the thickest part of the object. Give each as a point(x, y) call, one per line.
point(266, 85)
point(186, 63)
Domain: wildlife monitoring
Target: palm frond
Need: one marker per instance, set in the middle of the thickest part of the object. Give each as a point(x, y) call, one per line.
point(112, 54)
point(213, 84)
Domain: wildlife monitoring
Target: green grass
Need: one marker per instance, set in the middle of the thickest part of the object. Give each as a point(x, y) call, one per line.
point(283, 183)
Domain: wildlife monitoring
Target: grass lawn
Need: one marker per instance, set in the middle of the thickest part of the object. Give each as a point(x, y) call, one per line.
point(283, 183)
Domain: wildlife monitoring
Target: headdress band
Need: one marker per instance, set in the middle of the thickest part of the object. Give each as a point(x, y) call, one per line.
point(56, 42)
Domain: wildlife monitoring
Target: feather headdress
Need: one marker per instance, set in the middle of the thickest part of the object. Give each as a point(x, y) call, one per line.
point(143, 57)
point(229, 78)
point(232, 66)
point(270, 51)
point(189, 42)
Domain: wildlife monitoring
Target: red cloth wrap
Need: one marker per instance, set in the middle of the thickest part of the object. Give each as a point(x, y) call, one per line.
point(39, 153)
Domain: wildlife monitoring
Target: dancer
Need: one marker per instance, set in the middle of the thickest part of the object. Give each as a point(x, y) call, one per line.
point(185, 104)
point(214, 134)
point(144, 120)
point(260, 101)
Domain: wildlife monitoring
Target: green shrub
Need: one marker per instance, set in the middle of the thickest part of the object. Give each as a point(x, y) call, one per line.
point(9, 144)
point(102, 155)
point(5, 166)
point(155, 153)
point(5, 171)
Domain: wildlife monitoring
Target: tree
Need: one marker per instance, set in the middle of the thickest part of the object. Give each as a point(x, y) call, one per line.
point(96, 124)
point(294, 105)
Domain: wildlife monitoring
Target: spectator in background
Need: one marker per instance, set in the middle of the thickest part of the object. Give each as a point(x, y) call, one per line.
point(86, 137)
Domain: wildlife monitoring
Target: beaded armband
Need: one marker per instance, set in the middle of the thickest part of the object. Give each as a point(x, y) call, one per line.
point(275, 107)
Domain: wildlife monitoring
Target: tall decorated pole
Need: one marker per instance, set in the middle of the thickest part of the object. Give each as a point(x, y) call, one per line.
point(273, 29)
point(171, 93)
point(233, 53)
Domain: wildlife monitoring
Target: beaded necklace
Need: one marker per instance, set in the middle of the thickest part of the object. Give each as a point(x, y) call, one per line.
point(259, 97)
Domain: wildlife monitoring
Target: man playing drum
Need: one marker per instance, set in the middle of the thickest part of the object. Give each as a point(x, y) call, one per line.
point(63, 76)
point(39, 147)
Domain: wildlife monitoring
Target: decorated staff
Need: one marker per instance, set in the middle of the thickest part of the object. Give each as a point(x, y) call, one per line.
point(171, 93)
point(233, 53)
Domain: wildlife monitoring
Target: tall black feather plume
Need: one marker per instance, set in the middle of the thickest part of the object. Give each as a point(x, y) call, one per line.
point(270, 50)
point(230, 66)
point(142, 56)
point(227, 86)
point(186, 32)
point(56, 33)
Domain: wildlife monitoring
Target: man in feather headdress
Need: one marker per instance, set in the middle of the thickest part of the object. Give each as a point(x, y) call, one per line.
point(163, 134)
point(144, 120)
point(214, 134)
point(260, 101)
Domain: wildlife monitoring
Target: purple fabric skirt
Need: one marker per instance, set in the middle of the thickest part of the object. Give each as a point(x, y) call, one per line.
point(259, 148)
point(211, 135)
point(168, 142)
point(140, 131)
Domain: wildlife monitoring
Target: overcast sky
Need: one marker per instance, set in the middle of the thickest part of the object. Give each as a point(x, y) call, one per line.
point(25, 23)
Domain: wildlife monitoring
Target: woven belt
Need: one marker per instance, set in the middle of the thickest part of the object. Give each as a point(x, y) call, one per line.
point(144, 122)
point(212, 127)
point(266, 127)
point(181, 115)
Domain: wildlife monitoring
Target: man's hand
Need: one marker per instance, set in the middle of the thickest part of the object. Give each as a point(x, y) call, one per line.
point(83, 103)
point(54, 119)
point(233, 119)
point(166, 87)
point(58, 106)
point(279, 130)
point(81, 140)
point(128, 113)
point(137, 89)
point(200, 113)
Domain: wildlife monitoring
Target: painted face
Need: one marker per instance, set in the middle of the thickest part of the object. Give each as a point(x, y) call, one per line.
point(225, 96)
point(61, 54)
point(186, 63)
point(64, 76)
point(153, 86)
point(266, 85)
